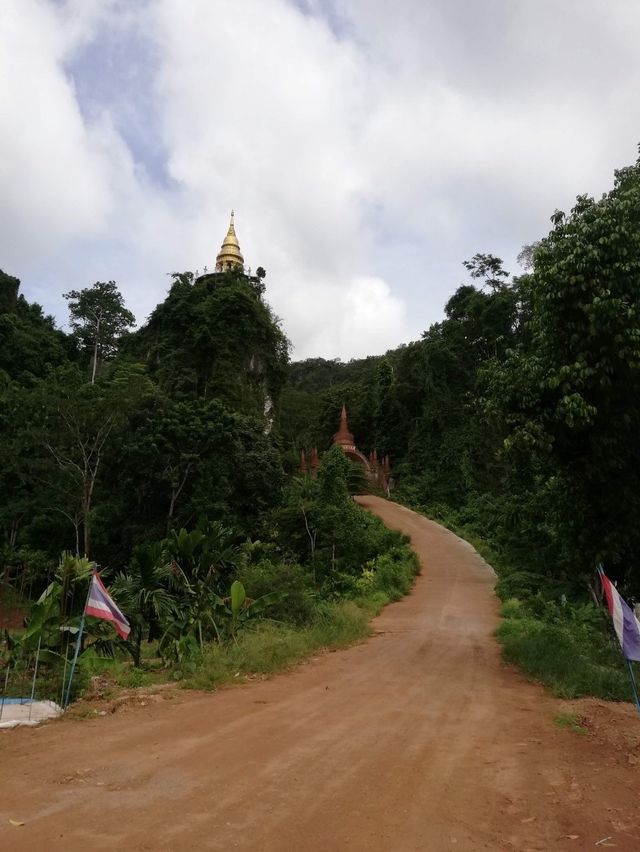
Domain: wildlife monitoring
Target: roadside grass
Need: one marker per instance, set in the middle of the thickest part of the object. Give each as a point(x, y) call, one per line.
point(266, 646)
point(571, 721)
point(572, 660)
point(271, 647)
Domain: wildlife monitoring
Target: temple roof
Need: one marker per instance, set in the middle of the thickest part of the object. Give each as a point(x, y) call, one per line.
point(230, 255)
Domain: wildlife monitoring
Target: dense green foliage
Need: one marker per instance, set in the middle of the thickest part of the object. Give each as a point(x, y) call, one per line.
point(158, 454)
point(567, 647)
point(174, 428)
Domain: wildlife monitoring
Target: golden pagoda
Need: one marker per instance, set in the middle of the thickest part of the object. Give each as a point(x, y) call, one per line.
point(230, 256)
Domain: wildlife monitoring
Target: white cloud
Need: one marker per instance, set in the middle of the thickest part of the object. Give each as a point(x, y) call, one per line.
point(366, 152)
point(53, 173)
point(354, 317)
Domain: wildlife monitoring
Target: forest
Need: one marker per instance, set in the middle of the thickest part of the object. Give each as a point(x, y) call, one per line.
point(168, 456)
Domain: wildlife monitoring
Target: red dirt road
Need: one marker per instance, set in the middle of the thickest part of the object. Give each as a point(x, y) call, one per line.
point(418, 739)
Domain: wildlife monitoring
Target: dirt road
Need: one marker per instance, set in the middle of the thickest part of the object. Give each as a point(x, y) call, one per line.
point(418, 739)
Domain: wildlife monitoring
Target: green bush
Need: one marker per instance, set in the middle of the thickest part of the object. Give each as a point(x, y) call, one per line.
point(386, 578)
point(512, 608)
point(287, 577)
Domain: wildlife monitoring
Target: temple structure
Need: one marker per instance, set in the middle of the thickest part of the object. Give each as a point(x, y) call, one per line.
point(230, 256)
point(377, 470)
point(343, 438)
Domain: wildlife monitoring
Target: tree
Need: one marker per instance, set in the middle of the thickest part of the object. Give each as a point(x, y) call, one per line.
point(78, 421)
point(98, 318)
point(571, 396)
point(489, 268)
point(385, 414)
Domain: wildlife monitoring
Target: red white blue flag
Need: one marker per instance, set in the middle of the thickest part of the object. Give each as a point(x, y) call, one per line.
point(625, 623)
point(100, 605)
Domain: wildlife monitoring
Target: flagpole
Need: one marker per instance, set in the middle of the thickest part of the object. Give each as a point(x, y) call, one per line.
point(4, 691)
point(35, 674)
point(634, 686)
point(78, 641)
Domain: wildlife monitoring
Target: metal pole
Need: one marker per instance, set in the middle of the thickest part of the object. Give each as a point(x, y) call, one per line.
point(4, 691)
point(634, 686)
point(35, 674)
point(78, 640)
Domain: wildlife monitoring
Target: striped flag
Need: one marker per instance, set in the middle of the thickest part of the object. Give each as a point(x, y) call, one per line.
point(625, 623)
point(100, 605)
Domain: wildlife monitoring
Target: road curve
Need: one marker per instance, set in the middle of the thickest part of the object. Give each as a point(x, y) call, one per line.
point(418, 739)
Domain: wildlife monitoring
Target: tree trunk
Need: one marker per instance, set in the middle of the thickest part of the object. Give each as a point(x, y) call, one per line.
point(95, 353)
point(176, 490)
point(172, 505)
point(86, 517)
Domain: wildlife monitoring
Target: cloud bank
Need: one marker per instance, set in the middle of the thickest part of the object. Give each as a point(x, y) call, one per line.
point(367, 148)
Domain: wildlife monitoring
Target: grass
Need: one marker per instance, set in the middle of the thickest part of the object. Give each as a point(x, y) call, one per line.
point(571, 661)
point(571, 721)
point(273, 647)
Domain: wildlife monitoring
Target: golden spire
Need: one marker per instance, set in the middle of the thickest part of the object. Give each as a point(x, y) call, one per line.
point(230, 256)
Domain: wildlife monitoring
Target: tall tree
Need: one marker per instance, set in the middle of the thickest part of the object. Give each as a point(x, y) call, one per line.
point(78, 422)
point(98, 319)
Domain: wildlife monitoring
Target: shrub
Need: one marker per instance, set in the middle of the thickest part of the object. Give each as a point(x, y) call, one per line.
point(288, 577)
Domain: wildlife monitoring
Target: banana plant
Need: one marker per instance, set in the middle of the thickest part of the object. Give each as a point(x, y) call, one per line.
point(236, 610)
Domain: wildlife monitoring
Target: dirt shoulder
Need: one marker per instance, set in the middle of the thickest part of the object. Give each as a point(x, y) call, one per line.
point(418, 739)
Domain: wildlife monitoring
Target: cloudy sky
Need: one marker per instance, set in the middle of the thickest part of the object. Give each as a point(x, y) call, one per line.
point(367, 147)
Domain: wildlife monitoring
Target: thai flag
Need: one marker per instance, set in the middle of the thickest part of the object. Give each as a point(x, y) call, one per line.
point(100, 605)
point(625, 623)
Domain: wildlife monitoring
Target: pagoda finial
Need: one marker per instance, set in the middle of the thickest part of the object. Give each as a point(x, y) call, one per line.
point(230, 256)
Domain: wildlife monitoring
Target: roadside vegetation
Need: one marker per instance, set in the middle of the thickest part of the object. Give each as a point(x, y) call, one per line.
point(205, 608)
